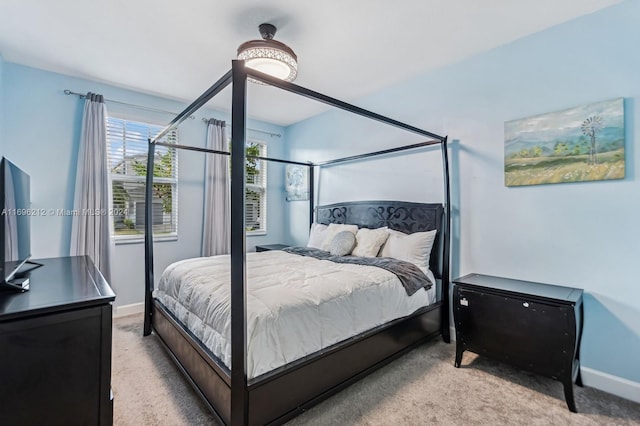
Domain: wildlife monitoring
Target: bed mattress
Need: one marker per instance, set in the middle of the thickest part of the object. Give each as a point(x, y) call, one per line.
point(296, 305)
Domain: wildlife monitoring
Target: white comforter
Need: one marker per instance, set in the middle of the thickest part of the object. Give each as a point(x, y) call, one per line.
point(295, 305)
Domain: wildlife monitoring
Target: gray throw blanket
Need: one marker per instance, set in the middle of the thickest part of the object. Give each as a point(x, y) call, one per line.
point(411, 277)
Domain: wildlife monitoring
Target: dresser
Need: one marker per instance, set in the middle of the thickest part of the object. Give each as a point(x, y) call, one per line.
point(533, 326)
point(55, 347)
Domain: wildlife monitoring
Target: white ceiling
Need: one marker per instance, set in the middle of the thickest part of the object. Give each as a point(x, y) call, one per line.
point(345, 48)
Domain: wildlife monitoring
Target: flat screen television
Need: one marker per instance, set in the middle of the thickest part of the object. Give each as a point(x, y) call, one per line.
point(15, 226)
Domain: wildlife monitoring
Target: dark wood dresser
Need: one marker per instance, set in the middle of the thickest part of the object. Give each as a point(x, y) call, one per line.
point(55, 347)
point(533, 326)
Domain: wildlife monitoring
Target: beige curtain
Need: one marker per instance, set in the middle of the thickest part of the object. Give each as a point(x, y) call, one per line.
point(90, 227)
point(216, 237)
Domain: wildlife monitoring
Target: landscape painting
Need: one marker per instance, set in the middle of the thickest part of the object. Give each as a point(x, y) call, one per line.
point(584, 143)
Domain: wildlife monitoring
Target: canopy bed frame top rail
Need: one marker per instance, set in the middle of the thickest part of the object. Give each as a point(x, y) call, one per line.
point(237, 76)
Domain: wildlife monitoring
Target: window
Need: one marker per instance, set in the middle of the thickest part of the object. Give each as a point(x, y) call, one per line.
point(127, 156)
point(256, 189)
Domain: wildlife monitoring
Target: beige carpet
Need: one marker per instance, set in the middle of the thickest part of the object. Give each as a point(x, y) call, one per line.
point(420, 388)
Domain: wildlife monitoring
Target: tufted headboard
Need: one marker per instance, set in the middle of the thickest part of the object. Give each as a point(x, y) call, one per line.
point(398, 215)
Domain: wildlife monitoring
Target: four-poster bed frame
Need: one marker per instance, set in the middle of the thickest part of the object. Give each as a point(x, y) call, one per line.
point(277, 396)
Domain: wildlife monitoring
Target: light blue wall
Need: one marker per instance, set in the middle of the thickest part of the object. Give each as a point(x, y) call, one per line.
point(585, 235)
point(41, 134)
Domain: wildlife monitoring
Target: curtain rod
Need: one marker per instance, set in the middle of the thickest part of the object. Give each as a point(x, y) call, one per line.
point(278, 135)
point(83, 95)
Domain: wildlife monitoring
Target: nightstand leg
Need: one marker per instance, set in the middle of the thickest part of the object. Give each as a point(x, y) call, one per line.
point(568, 394)
point(579, 377)
point(459, 351)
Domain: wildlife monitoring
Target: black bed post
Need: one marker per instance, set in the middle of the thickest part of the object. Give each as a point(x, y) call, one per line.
point(239, 394)
point(148, 239)
point(312, 171)
point(446, 249)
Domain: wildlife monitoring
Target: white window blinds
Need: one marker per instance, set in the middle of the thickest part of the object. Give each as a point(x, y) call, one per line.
point(127, 155)
point(256, 189)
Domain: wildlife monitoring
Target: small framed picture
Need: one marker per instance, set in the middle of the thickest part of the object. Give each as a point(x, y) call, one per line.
point(296, 182)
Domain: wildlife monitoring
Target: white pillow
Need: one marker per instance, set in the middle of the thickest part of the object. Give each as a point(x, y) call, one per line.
point(316, 235)
point(414, 248)
point(333, 229)
point(369, 241)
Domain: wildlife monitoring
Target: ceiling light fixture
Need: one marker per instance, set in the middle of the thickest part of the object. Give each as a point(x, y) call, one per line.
point(269, 56)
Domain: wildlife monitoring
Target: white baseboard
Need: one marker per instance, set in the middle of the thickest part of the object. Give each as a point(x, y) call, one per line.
point(611, 384)
point(124, 310)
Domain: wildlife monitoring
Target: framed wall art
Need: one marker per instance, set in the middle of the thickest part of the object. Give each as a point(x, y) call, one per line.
point(585, 143)
point(296, 182)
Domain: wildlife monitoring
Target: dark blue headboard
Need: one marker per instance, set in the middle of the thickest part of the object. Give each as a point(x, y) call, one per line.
point(398, 215)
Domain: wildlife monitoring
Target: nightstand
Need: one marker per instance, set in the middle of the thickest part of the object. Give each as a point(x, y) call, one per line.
point(533, 326)
point(268, 247)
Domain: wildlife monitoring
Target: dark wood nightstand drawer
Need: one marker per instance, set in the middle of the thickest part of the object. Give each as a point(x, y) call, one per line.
point(268, 247)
